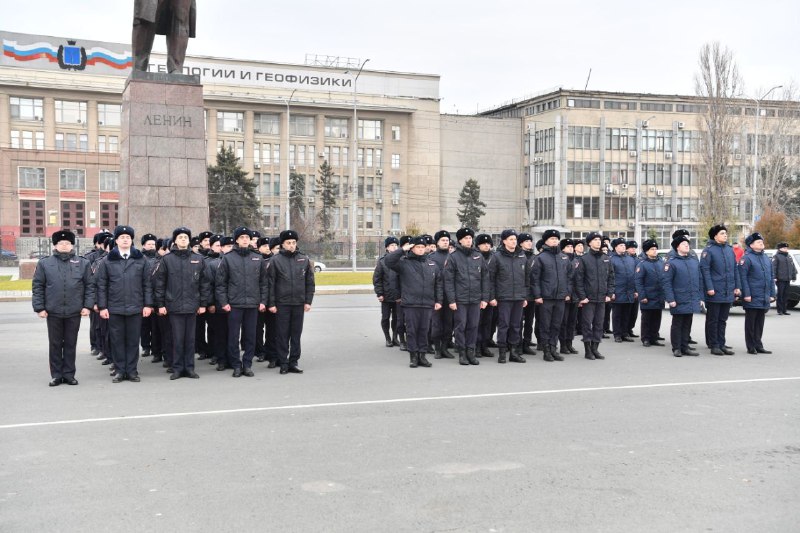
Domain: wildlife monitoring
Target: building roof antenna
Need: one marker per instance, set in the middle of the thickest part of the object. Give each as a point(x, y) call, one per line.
point(587, 79)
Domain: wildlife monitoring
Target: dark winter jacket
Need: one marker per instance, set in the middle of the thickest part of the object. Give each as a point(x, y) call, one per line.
point(624, 278)
point(291, 279)
point(783, 267)
point(384, 281)
point(594, 277)
point(551, 273)
point(63, 285)
point(241, 279)
point(683, 284)
point(648, 283)
point(420, 279)
point(510, 272)
point(755, 270)
point(718, 267)
point(530, 256)
point(210, 265)
point(466, 277)
point(124, 285)
point(179, 283)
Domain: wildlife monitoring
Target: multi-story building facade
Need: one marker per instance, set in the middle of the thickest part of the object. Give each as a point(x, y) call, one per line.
point(591, 157)
point(60, 116)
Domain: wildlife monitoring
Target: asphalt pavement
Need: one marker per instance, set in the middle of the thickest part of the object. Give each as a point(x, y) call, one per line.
point(641, 441)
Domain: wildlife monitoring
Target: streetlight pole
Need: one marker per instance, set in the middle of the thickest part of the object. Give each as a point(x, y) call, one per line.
point(288, 166)
point(354, 173)
point(757, 163)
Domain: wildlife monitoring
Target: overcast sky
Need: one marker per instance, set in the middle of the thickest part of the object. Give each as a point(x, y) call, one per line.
point(486, 52)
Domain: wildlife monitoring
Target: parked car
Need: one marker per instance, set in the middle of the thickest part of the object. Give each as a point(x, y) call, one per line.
point(319, 266)
point(36, 254)
point(8, 255)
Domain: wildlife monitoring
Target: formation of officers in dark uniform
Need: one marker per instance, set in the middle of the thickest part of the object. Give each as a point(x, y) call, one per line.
point(439, 293)
point(229, 299)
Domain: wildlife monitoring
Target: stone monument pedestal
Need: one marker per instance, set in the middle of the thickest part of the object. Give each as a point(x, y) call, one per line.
point(163, 183)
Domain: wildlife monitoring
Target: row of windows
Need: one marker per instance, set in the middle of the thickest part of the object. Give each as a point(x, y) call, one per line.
point(33, 219)
point(67, 111)
point(579, 207)
point(367, 218)
point(588, 172)
point(70, 179)
point(73, 142)
point(303, 126)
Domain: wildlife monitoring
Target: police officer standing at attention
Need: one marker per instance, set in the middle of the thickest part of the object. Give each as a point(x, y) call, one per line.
point(510, 272)
point(651, 293)
point(550, 290)
point(148, 241)
point(758, 291)
point(291, 291)
point(721, 284)
point(784, 271)
point(525, 242)
point(181, 292)
point(217, 320)
point(594, 285)
point(488, 320)
point(683, 293)
point(95, 342)
point(466, 282)
point(241, 291)
point(124, 297)
point(567, 333)
point(384, 282)
point(631, 247)
point(442, 320)
point(624, 290)
point(62, 293)
point(421, 294)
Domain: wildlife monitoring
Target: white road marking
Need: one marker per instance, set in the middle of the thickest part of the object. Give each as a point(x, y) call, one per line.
point(394, 400)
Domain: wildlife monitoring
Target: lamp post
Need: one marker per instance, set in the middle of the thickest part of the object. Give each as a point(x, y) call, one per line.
point(757, 163)
point(637, 224)
point(288, 166)
point(354, 171)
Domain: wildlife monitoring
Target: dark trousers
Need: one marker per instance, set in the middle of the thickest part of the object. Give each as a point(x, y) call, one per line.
point(509, 322)
point(401, 320)
point(418, 321)
point(183, 336)
point(162, 338)
point(218, 335)
point(261, 321)
point(651, 324)
point(147, 332)
point(716, 322)
point(550, 315)
point(528, 319)
point(569, 321)
point(442, 325)
point(62, 332)
point(578, 320)
point(607, 318)
point(200, 344)
point(633, 314)
point(754, 328)
point(242, 321)
point(103, 338)
point(680, 330)
point(620, 318)
point(592, 316)
point(465, 324)
point(177, 35)
point(288, 329)
point(93, 331)
point(124, 332)
point(783, 296)
point(488, 322)
point(388, 318)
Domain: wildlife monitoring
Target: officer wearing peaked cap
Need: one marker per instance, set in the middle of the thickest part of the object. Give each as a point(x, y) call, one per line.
point(62, 292)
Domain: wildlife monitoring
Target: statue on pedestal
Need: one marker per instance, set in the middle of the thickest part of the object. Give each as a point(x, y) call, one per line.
point(174, 18)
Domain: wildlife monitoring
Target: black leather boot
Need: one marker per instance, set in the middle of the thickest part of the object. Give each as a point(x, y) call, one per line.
point(516, 354)
point(587, 350)
point(597, 354)
point(571, 348)
point(389, 343)
point(403, 345)
point(394, 339)
point(444, 352)
point(423, 361)
point(470, 352)
point(528, 348)
point(414, 359)
point(501, 356)
point(554, 353)
point(485, 351)
point(547, 355)
point(462, 357)
point(564, 348)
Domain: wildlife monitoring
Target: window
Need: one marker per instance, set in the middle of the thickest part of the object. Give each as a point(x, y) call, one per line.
point(369, 218)
point(27, 139)
point(652, 106)
point(26, 108)
point(690, 108)
point(583, 207)
point(583, 103)
point(72, 216)
point(109, 214)
point(276, 217)
point(395, 133)
point(72, 142)
point(31, 218)
point(262, 153)
point(583, 172)
point(70, 112)
point(621, 105)
point(71, 179)
point(369, 193)
point(230, 121)
point(108, 143)
point(360, 217)
point(395, 221)
point(370, 130)
point(266, 124)
point(31, 178)
point(395, 161)
point(109, 114)
point(237, 147)
point(336, 128)
point(266, 214)
point(583, 137)
point(544, 140)
point(301, 126)
point(620, 208)
point(276, 184)
point(109, 181)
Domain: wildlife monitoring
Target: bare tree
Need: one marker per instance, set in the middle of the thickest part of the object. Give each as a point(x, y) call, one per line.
point(719, 83)
point(779, 149)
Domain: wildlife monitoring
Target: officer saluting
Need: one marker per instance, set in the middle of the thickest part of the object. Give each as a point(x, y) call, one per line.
point(63, 292)
point(683, 293)
point(291, 290)
point(758, 291)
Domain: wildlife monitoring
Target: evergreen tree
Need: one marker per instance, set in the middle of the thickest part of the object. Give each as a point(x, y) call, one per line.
point(297, 197)
point(232, 197)
point(327, 190)
point(470, 201)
